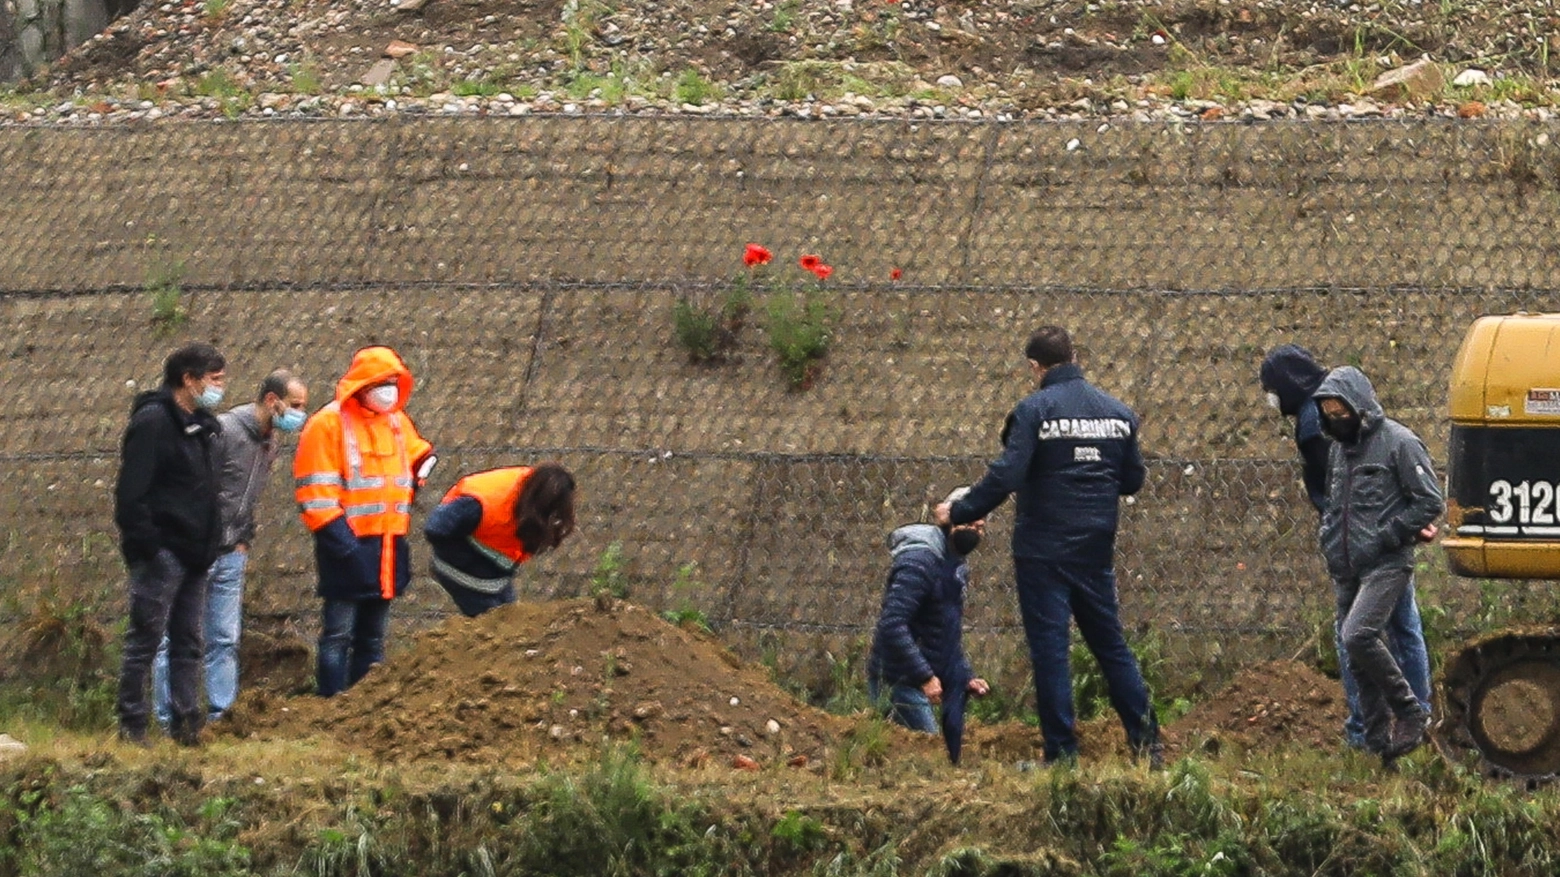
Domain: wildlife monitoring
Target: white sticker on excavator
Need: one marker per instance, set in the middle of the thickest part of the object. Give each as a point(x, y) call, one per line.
point(1542, 402)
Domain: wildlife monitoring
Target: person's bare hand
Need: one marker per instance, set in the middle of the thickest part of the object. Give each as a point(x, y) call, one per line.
point(1428, 533)
point(942, 516)
point(979, 688)
point(932, 688)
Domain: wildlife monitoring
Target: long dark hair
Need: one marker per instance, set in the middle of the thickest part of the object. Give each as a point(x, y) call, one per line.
point(544, 510)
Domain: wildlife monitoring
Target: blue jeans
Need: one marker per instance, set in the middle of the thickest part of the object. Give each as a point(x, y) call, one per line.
point(224, 618)
point(1406, 640)
point(352, 640)
point(1049, 596)
point(906, 705)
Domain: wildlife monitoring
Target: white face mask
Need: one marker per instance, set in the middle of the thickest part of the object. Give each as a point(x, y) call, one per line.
point(1272, 400)
point(383, 398)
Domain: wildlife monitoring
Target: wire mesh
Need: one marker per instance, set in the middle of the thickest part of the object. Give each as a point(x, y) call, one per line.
point(529, 271)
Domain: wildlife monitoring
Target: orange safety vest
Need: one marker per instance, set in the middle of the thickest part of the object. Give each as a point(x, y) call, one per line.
point(496, 490)
point(357, 464)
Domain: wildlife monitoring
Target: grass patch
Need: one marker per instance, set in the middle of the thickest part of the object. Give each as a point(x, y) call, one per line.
point(800, 328)
point(164, 286)
point(692, 88)
point(306, 78)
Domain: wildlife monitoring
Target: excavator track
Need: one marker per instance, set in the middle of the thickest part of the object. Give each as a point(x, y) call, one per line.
point(1502, 705)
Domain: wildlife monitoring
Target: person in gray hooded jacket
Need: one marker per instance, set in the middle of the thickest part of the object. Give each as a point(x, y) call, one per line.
point(1383, 498)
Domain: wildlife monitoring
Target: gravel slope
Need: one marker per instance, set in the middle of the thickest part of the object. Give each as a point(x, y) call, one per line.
point(810, 58)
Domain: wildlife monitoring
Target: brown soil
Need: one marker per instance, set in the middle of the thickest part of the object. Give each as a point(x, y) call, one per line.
point(1269, 707)
point(551, 680)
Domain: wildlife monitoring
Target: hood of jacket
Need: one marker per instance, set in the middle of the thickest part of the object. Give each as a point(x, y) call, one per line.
point(1350, 386)
point(375, 365)
point(1293, 374)
point(913, 536)
point(248, 416)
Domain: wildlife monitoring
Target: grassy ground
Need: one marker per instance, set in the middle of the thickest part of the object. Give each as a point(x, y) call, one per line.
point(83, 804)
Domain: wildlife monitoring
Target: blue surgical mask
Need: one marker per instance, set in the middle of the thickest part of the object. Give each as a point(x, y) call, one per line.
point(209, 398)
point(290, 420)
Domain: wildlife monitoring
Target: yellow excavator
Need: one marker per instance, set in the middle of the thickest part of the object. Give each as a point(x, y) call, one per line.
point(1501, 692)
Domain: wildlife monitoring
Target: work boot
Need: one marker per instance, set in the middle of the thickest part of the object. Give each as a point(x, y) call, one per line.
point(1153, 752)
point(185, 732)
point(134, 736)
point(1408, 734)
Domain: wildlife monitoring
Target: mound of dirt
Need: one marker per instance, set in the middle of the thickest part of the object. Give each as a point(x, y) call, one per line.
point(551, 680)
point(1270, 707)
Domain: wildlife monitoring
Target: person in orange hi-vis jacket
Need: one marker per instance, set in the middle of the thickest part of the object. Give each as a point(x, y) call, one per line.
point(492, 522)
point(358, 465)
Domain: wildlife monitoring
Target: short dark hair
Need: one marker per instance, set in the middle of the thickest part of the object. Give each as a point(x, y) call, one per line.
point(1049, 345)
point(196, 358)
point(544, 510)
point(276, 382)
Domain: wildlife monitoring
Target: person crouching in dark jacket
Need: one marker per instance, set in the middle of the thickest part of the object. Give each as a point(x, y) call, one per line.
point(918, 646)
point(1382, 499)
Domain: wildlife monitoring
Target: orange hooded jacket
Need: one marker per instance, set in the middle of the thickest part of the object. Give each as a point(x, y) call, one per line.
point(361, 466)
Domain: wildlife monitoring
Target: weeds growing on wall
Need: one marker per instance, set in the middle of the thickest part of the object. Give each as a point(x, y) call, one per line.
point(164, 287)
point(710, 331)
point(684, 613)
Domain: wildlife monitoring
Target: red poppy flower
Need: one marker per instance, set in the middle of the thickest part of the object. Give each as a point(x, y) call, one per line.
point(823, 272)
point(811, 262)
point(756, 255)
point(895, 274)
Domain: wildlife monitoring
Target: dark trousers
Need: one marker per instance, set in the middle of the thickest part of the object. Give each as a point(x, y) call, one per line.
point(165, 599)
point(1049, 595)
point(352, 640)
point(1366, 604)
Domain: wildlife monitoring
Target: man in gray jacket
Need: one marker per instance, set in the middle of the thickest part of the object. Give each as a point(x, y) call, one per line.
point(1383, 498)
point(245, 454)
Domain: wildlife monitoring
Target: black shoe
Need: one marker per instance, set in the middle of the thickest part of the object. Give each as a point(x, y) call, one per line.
point(185, 733)
point(1407, 735)
point(1154, 753)
point(134, 736)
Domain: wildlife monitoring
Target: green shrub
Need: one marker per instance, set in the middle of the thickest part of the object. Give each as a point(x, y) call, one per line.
point(800, 327)
point(609, 580)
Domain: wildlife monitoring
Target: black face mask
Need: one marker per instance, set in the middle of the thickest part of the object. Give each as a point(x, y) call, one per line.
point(964, 541)
point(1344, 429)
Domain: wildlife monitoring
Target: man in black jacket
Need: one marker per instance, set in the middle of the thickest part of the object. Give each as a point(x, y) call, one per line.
point(170, 531)
point(1071, 454)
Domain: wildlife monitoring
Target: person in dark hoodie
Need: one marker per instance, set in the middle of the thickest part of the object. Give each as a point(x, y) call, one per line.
point(170, 531)
point(1383, 499)
point(246, 453)
point(917, 655)
point(1289, 375)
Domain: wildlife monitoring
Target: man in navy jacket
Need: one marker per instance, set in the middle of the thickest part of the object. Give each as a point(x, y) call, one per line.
point(917, 658)
point(1071, 454)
